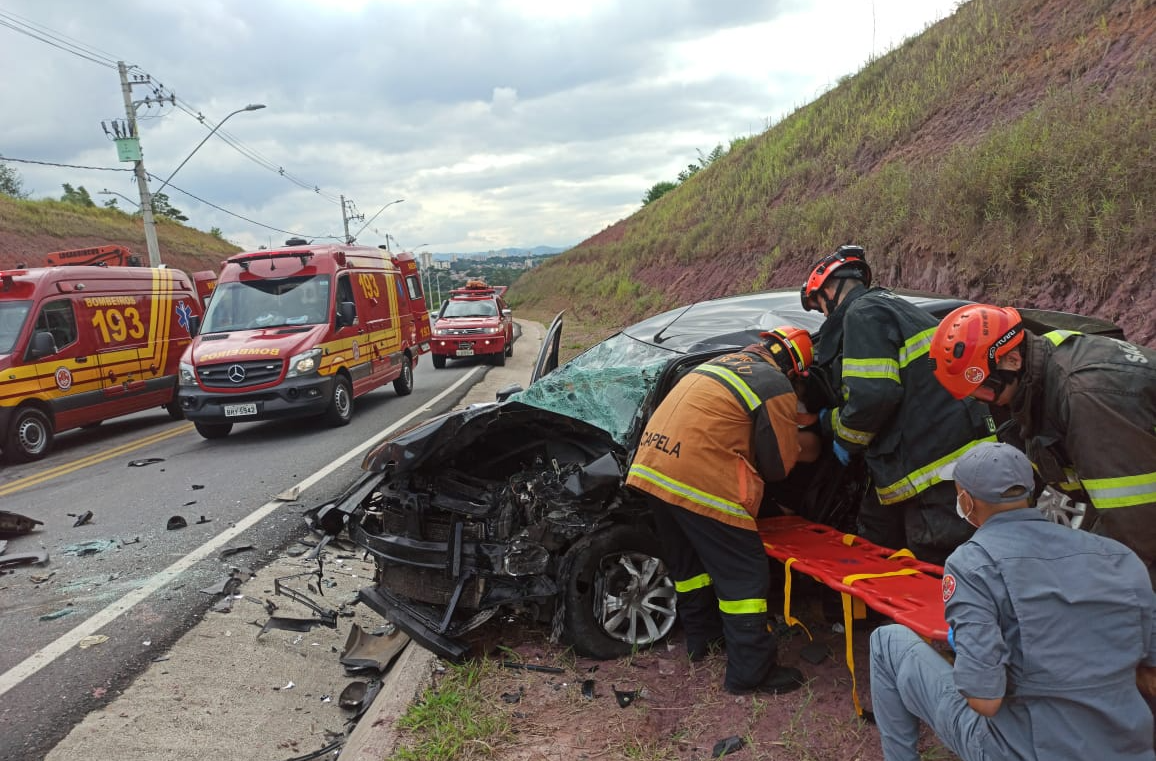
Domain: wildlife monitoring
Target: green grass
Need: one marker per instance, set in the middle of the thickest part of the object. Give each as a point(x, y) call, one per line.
point(455, 719)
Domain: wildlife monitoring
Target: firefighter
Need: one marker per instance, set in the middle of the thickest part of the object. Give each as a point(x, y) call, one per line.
point(1084, 405)
point(873, 347)
point(724, 430)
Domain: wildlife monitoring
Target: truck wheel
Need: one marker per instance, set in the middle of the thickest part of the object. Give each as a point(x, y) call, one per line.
point(213, 430)
point(340, 410)
point(439, 360)
point(498, 359)
point(618, 595)
point(403, 385)
point(174, 410)
point(30, 436)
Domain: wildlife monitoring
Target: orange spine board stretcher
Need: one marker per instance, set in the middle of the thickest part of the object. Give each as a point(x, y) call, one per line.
point(907, 590)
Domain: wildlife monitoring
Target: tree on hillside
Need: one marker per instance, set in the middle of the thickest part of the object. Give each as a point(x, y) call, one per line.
point(162, 208)
point(658, 190)
point(11, 183)
point(78, 196)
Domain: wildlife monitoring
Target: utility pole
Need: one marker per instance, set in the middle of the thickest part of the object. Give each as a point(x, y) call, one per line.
point(349, 215)
point(137, 157)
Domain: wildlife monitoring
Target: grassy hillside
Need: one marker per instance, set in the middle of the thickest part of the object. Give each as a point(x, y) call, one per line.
point(30, 229)
point(1005, 154)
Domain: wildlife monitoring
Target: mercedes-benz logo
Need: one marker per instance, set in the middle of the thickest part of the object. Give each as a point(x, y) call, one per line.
point(235, 373)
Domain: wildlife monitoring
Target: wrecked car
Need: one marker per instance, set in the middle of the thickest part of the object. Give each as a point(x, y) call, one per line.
point(519, 507)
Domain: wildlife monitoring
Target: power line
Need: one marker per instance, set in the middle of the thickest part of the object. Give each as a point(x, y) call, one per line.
point(56, 39)
point(68, 166)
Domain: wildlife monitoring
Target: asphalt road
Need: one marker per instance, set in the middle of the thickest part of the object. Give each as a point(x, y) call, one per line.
point(124, 574)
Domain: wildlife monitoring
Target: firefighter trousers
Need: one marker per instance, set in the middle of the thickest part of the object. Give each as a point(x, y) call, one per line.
point(721, 578)
point(926, 524)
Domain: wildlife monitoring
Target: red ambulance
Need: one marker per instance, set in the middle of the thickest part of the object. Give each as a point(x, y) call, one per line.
point(301, 331)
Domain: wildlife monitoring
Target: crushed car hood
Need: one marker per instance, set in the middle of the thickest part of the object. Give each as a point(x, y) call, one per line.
point(442, 437)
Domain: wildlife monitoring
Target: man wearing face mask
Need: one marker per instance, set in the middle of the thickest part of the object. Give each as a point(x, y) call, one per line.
point(1023, 685)
point(1084, 406)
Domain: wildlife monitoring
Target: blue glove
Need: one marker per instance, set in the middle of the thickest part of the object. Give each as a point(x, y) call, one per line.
point(825, 418)
point(951, 636)
point(842, 454)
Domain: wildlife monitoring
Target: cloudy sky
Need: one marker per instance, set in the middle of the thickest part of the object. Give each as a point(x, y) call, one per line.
point(499, 122)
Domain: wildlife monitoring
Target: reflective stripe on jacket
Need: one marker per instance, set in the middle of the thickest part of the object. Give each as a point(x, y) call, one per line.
point(721, 432)
point(1086, 407)
point(874, 346)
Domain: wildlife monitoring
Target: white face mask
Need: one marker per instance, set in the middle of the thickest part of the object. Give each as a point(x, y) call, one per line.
point(959, 510)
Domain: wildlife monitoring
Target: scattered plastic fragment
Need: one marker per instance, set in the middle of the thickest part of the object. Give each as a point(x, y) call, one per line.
point(176, 522)
point(326, 698)
point(24, 558)
point(189, 503)
point(197, 487)
point(289, 624)
point(286, 687)
point(12, 524)
point(234, 550)
point(127, 542)
point(588, 689)
point(727, 745)
point(160, 658)
point(144, 462)
point(289, 495)
point(56, 614)
point(366, 651)
point(512, 697)
point(203, 519)
point(40, 578)
point(92, 639)
point(227, 585)
point(332, 747)
point(147, 642)
point(353, 695)
point(624, 697)
point(82, 519)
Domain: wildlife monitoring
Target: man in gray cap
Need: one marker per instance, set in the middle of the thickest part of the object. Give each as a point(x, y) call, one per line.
point(1053, 631)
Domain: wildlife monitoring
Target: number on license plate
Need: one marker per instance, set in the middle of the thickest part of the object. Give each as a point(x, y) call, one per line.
point(240, 410)
point(465, 351)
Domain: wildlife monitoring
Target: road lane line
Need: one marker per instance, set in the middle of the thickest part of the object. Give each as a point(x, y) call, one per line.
point(62, 470)
point(53, 650)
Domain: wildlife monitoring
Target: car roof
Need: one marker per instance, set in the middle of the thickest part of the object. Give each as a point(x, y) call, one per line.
point(737, 320)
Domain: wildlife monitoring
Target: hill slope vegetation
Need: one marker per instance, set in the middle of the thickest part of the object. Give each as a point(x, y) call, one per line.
point(1005, 154)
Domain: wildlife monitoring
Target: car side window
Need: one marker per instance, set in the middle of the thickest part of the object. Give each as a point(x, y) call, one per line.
point(57, 318)
point(345, 292)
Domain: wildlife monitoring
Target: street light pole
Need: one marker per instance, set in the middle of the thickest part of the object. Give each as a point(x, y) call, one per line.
point(213, 131)
point(350, 239)
point(107, 192)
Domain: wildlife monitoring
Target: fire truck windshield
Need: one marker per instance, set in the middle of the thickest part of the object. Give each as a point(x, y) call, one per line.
point(12, 317)
point(268, 303)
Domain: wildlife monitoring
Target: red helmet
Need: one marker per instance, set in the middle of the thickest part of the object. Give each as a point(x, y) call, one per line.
point(791, 348)
point(969, 343)
point(848, 261)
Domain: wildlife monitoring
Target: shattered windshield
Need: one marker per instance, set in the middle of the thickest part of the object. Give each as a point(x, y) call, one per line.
point(12, 316)
point(605, 386)
point(268, 303)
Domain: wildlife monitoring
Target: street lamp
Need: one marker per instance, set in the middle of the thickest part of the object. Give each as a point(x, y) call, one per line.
point(147, 197)
point(107, 192)
point(351, 238)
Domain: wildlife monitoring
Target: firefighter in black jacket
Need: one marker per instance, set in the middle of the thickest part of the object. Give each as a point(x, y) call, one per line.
point(1085, 406)
point(873, 347)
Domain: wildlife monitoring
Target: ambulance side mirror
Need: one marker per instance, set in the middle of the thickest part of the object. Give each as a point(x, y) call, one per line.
point(346, 313)
point(194, 324)
point(43, 345)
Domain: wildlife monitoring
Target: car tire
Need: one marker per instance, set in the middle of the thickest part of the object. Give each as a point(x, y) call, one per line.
point(613, 581)
point(499, 359)
point(510, 347)
point(30, 436)
point(404, 383)
point(340, 410)
point(174, 410)
point(439, 360)
point(213, 430)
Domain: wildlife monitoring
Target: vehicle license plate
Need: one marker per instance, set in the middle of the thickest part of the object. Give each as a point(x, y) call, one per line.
point(240, 410)
point(466, 350)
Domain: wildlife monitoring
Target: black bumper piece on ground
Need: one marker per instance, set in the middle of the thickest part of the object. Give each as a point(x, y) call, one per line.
point(413, 622)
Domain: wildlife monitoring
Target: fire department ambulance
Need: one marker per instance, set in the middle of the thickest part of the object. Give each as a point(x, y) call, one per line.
point(81, 344)
point(301, 331)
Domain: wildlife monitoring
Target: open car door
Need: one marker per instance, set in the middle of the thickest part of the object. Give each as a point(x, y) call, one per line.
point(548, 354)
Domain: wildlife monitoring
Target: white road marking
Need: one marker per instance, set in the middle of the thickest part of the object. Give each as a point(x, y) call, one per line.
point(53, 650)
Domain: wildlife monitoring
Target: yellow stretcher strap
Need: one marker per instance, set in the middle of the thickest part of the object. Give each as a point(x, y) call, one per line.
point(791, 621)
point(848, 618)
